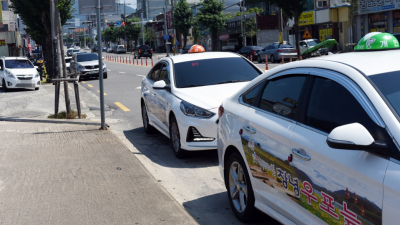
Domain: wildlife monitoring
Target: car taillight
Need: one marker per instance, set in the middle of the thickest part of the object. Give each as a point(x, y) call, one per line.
point(220, 111)
point(254, 53)
point(294, 50)
point(140, 51)
point(151, 51)
point(280, 50)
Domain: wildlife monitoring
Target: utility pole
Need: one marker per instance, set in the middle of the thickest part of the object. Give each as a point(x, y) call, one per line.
point(280, 26)
point(141, 15)
point(99, 52)
point(174, 32)
point(166, 30)
point(241, 24)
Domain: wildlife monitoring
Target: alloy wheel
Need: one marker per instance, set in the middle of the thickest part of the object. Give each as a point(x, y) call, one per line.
point(238, 187)
point(175, 137)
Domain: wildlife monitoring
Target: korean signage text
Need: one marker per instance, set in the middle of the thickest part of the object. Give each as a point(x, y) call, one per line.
point(3, 42)
point(371, 6)
point(306, 18)
point(169, 19)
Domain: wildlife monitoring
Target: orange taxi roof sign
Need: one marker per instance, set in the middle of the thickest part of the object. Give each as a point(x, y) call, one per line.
point(196, 48)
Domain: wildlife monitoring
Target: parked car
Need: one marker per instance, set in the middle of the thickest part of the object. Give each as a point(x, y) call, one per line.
point(121, 49)
point(232, 45)
point(70, 51)
point(87, 65)
point(109, 50)
point(67, 63)
point(94, 49)
point(316, 141)
point(275, 53)
point(143, 51)
point(186, 49)
point(248, 51)
point(308, 43)
point(180, 96)
point(18, 72)
point(104, 49)
point(86, 48)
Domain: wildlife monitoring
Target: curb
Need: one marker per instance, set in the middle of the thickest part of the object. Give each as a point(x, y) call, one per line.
point(58, 121)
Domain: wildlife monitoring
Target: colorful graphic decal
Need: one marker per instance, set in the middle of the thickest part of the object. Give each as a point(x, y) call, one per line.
point(333, 207)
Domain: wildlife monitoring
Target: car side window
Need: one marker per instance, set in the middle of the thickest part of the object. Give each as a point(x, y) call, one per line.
point(1, 65)
point(153, 74)
point(164, 74)
point(280, 96)
point(250, 97)
point(332, 105)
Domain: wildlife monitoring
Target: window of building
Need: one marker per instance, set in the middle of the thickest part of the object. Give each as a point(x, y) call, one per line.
point(396, 21)
point(376, 22)
point(4, 6)
point(322, 4)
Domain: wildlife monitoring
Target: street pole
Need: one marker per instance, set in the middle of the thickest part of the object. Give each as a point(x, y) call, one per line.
point(241, 24)
point(172, 12)
point(166, 30)
point(84, 35)
point(99, 40)
point(53, 38)
point(141, 15)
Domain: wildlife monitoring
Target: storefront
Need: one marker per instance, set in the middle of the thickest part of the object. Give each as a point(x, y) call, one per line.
point(378, 22)
point(306, 22)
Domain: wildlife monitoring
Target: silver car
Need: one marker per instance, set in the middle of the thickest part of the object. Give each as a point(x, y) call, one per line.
point(275, 53)
point(87, 65)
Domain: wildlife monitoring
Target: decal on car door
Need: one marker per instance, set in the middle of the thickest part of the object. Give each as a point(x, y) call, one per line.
point(341, 206)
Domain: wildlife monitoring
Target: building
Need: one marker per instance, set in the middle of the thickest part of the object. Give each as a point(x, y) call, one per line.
point(12, 34)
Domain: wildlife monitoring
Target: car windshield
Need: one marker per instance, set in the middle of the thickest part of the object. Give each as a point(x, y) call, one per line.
point(18, 64)
point(69, 50)
point(285, 46)
point(213, 71)
point(120, 46)
point(388, 85)
point(68, 60)
point(313, 43)
point(87, 57)
point(77, 50)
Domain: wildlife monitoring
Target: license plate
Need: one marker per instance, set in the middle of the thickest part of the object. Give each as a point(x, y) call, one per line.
point(146, 52)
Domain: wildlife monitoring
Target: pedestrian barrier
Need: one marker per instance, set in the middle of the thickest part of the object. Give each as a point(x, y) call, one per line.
point(283, 60)
point(266, 62)
point(290, 60)
point(301, 58)
point(146, 61)
point(151, 61)
point(141, 60)
point(251, 58)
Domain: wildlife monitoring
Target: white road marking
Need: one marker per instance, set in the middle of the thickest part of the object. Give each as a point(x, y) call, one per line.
point(108, 70)
point(121, 72)
point(140, 75)
point(138, 88)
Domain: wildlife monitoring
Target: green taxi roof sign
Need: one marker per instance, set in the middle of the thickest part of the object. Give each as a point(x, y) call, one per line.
point(377, 41)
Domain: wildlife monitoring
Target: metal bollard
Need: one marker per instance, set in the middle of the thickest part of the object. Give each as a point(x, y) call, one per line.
point(266, 62)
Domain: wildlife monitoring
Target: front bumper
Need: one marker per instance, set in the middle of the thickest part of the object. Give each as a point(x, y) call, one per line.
point(18, 83)
point(90, 72)
point(206, 127)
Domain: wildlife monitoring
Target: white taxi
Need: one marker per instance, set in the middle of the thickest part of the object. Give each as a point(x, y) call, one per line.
point(18, 72)
point(317, 141)
point(181, 94)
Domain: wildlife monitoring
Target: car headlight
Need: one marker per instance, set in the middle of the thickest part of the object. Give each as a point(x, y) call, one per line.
point(192, 110)
point(37, 75)
point(9, 74)
point(81, 67)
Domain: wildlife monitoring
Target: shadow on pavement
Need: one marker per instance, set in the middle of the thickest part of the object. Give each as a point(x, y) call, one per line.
point(218, 204)
point(158, 149)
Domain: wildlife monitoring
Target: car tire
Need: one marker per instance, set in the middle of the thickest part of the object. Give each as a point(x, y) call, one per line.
point(104, 75)
point(175, 139)
point(236, 165)
point(259, 59)
point(272, 59)
point(149, 129)
point(4, 86)
point(36, 89)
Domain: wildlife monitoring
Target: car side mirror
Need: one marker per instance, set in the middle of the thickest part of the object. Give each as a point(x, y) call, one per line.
point(103, 57)
point(354, 136)
point(160, 85)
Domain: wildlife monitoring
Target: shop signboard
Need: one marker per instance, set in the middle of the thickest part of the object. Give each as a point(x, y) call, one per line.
point(224, 37)
point(323, 33)
point(169, 19)
point(2, 42)
point(306, 18)
point(372, 6)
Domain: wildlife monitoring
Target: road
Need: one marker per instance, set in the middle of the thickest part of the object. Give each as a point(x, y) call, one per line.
point(195, 182)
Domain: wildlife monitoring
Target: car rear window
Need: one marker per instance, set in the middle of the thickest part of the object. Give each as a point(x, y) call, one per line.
point(18, 64)
point(77, 50)
point(213, 71)
point(87, 57)
point(143, 47)
point(285, 46)
point(388, 85)
point(256, 48)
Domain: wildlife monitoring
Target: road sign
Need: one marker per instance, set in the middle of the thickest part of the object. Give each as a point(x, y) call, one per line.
point(306, 35)
point(89, 6)
point(166, 37)
point(118, 23)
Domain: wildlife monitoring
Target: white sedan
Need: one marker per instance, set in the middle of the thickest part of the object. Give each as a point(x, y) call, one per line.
point(181, 94)
point(316, 141)
point(18, 72)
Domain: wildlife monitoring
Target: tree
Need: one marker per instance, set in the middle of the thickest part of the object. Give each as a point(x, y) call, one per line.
point(133, 31)
point(353, 12)
point(292, 9)
point(149, 35)
point(212, 17)
point(196, 32)
point(183, 19)
point(36, 16)
point(250, 24)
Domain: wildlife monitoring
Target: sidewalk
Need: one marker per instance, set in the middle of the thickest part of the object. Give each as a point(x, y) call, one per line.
point(64, 173)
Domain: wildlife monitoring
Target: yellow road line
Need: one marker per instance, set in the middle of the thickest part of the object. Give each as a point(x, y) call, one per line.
point(83, 81)
point(99, 92)
point(122, 106)
point(90, 85)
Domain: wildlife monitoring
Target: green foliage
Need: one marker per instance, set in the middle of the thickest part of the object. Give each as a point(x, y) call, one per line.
point(250, 28)
point(133, 31)
point(212, 17)
point(65, 115)
point(183, 19)
point(196, 32)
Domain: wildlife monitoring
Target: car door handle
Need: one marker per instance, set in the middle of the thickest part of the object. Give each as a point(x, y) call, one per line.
point(253, 131)
point(301, 154)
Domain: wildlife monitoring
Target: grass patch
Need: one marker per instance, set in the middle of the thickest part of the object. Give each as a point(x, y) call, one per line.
point(64, 115)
